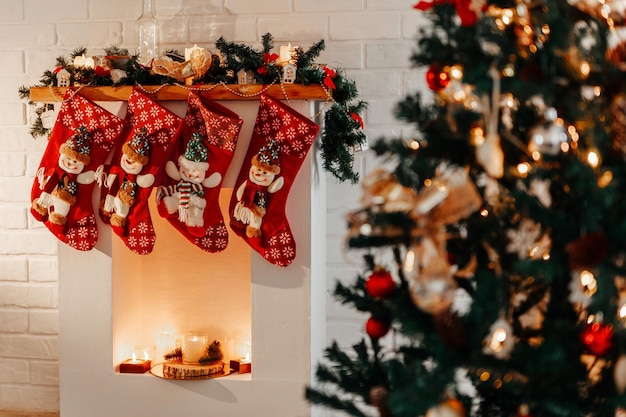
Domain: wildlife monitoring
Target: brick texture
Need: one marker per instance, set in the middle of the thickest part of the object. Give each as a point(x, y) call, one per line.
point(370, 39)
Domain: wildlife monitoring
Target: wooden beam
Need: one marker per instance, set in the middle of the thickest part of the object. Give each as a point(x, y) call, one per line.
point(177, 93)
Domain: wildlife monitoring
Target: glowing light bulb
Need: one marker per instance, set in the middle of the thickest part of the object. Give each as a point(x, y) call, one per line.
point(588, 282)
point(593, 159)
point(585, 69)
point(523, 168)
point(456, 72)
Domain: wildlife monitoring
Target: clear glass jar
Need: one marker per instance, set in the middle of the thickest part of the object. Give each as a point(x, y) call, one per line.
point(147, 33)
point(194, 346)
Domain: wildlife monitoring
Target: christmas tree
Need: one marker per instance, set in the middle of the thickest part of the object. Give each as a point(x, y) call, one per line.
point(495, 243)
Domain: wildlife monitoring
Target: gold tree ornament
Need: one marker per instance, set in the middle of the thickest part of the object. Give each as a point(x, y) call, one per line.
point(431, 283)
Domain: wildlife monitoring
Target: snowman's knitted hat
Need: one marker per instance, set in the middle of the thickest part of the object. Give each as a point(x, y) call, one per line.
point(195, 150)
point(196, 154)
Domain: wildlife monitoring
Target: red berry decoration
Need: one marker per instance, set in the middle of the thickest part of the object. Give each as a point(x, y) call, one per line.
point(377, 328)
point(380, 284)
point(598, 338)
point(436, 78)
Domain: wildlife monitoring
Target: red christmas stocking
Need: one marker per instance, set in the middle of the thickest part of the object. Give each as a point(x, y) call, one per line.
point(280, 141)
point(189, 195)
point(137, 164)
point(82, 137)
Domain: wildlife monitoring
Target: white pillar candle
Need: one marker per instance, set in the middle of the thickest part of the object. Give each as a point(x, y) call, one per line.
point(285, 54)
point(194, 347)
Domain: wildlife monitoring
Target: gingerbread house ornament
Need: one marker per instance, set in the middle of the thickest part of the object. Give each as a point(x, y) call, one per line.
point(245, 77)
point(289, 73)
point(63, 78)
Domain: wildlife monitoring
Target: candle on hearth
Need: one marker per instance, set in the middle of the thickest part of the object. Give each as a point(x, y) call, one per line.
point(144, 352)
point(194, 347)
point(166, 343)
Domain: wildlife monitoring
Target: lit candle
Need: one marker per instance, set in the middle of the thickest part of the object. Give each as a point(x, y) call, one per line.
point(285, 54)
point(84, 62)
point(194, 347)
point(189, 51)
point(166, 343)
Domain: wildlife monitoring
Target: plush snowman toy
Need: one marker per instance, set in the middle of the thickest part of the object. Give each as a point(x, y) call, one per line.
point(187, 196)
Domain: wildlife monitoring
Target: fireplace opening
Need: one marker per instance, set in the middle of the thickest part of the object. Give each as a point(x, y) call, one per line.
point(179, 288)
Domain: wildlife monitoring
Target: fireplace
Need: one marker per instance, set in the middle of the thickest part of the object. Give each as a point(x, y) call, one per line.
point(111, 300)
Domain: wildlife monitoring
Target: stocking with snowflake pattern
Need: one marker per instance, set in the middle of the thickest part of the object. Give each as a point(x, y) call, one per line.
point(280, 141)
point(189, 195)
point(81, 138)
point(126, 185)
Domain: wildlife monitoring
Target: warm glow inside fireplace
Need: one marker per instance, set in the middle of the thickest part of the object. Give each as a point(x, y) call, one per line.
point(179, 288)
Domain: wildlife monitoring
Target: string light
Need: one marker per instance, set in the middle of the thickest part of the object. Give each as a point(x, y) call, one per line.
point(605, 179)
point(593, 159)
point(585, 69)
point(621, 310)
point(413, 144)
point(523, 168)
point(477, 136)
point(588, 282)
point(456, 72)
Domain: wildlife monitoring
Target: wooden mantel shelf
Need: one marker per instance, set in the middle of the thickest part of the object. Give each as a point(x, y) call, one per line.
point(178, 93)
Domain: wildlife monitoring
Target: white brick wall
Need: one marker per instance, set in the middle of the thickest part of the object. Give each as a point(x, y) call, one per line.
point(371, 39)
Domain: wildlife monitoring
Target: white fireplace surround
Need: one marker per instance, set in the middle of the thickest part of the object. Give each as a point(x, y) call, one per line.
point(287, 318)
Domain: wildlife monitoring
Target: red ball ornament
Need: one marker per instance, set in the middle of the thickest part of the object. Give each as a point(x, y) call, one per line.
point(377, 328)
point(436, 78)
point(380, 284)
point(598, 338)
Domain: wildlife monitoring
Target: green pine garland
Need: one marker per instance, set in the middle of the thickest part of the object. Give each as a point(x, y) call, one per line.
point(342, 134)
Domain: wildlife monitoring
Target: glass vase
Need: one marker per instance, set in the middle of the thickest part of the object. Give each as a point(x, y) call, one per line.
point(147, 33)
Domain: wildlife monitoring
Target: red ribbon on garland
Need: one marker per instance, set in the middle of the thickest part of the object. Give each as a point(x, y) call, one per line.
point(101, 72)
point(357, 118)
point(468, 10)
point(267, 60)
point(328, 80)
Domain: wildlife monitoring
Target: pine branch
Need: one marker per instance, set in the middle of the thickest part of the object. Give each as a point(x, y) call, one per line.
point(78, 51)
point(267, 42)
point(306, 58)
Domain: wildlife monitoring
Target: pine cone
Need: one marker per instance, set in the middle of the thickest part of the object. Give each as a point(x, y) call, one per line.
point(378, 397)
point(451, 330)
